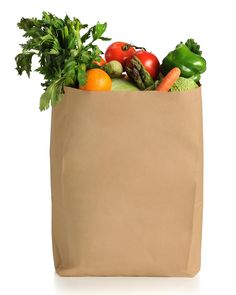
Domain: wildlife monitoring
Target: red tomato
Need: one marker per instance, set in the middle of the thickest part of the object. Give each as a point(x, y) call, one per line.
point(119, 51)
point(150, 62)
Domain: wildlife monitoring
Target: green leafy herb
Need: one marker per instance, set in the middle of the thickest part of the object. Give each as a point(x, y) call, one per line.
point(64, 56)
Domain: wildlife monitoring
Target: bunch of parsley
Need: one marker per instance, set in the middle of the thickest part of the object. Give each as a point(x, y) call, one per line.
point(64, 53)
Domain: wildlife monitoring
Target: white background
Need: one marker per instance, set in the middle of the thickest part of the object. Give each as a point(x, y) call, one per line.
point(26, 265)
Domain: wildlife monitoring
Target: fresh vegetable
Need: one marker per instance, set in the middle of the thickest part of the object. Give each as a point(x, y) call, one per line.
point(68, 56)
point(113, 68)
point(138, 74)
point(119, 51)
point(123, 85)
point(150, 62)
point(64, 52)
point(183, 84)
point(187, 57)
point(97, 80)
point(193, 46)
point(168, 81)
point(100, 62)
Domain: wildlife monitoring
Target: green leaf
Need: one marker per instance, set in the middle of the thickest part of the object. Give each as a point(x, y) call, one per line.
point(54, 51)
point(26, 23)
point(98, 30)
point(69, 72)
point(52, 94)
point(85, 57)
point(81, 75)
point(105, 38)
point(23, 62)
point(45, 100)
point(96, 50)
point(86, 36)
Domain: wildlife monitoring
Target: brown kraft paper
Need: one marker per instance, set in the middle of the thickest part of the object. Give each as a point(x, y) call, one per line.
point(126, 182)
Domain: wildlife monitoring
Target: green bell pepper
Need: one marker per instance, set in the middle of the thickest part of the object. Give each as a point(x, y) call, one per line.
point(189, 62)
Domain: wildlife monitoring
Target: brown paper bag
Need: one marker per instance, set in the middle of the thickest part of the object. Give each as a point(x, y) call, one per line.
point(126, 179)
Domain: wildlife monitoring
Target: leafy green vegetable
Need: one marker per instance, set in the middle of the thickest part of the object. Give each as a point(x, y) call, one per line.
point(183, 84)
point(193, 46)
point(64, 55)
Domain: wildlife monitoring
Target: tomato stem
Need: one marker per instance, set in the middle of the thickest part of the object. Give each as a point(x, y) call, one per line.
point(128, 46)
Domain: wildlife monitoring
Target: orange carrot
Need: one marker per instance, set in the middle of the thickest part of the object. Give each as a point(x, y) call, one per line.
point(169, 80)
